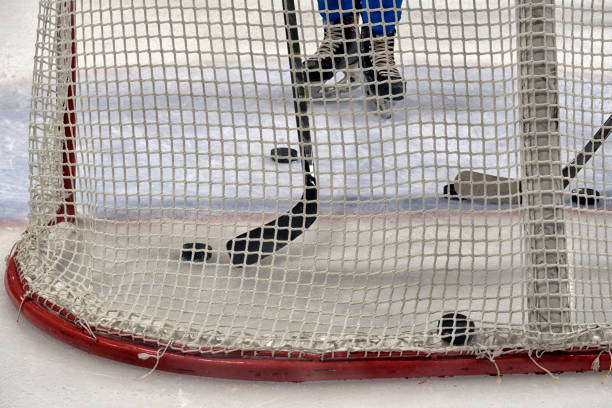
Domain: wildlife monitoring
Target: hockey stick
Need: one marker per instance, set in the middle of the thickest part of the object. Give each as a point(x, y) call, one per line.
point(254, 245)
point(473, 185)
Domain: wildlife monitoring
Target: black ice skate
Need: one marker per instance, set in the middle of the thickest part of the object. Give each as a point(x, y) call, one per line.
point(383, 82)
point(337, 52)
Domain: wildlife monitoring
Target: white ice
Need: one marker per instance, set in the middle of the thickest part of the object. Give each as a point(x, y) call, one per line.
point(38, 370)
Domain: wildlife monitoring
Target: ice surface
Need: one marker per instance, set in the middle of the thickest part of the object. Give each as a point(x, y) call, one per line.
point(237, 114)
point(456, 116)
point(37, 368)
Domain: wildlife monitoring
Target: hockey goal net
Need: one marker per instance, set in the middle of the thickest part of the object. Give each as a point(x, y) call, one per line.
point(463, 229)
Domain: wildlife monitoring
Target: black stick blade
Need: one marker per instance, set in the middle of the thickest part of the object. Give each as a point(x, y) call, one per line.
point(585, 197)
point(254, 245)
point(196, 252)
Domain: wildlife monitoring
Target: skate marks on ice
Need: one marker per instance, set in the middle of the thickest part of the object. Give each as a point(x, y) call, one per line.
point(441, 127)
point(14, 120)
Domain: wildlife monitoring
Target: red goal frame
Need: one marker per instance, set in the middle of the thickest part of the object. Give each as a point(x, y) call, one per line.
point(258, 365)
point(261, 366)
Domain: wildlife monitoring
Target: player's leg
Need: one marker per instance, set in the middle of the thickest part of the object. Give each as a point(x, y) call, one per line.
point(338, 49)
point(332, 11)
point(378, 46)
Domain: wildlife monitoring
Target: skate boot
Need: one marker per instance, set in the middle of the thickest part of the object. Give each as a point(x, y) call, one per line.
point(338, 52)
point(383, 82)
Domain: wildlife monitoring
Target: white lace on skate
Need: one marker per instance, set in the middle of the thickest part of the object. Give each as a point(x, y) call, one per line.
point(383, 63)
point(332, 40)
point(383, 59)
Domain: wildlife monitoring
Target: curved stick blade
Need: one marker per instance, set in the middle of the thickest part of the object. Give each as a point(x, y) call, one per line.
point(254, 245)
point(474, 185)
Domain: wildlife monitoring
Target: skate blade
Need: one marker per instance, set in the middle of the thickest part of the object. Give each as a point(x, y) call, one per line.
point(382, 105)
point(332, 92)
point(345, 88)
point(384, 108)
point(314, 92)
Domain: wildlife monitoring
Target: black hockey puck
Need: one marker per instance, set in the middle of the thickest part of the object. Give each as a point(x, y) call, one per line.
point(283, 154)
point(449, 190)
point(456, 329)
point(585, 197)
point(196, 252)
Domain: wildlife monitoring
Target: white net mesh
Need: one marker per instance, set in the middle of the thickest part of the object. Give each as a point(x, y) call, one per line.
point(151, 128)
